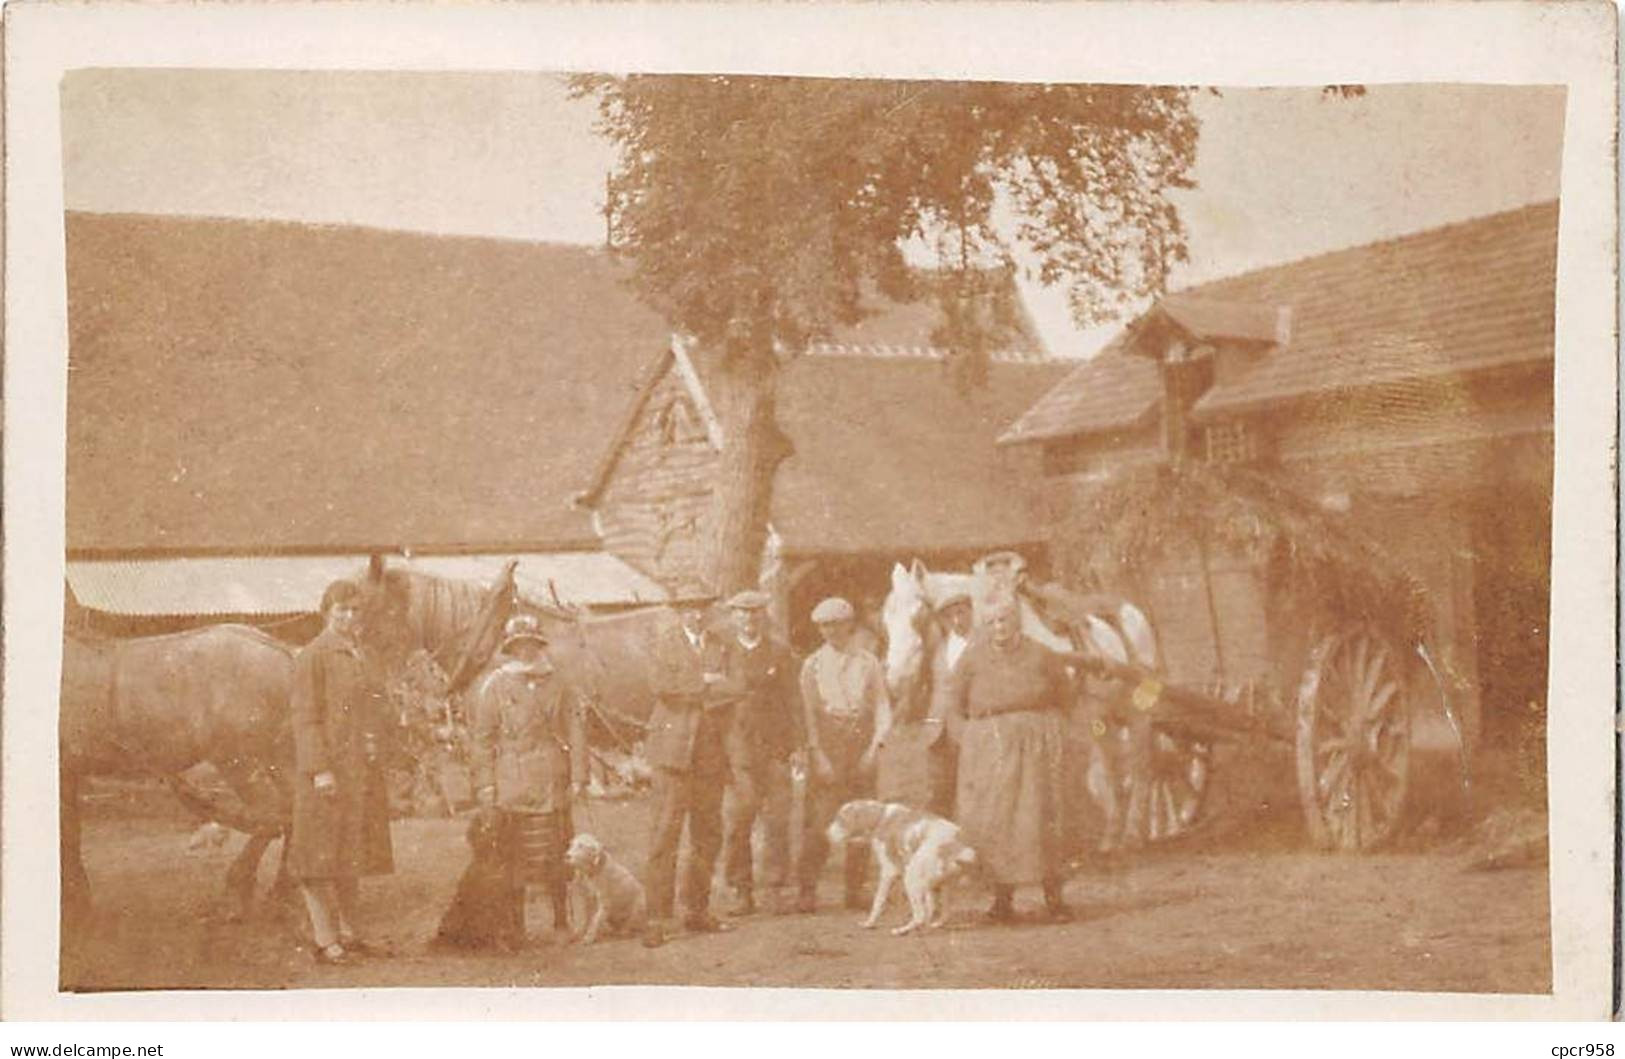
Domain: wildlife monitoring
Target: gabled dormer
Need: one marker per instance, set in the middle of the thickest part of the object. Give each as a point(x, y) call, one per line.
point(1197, 344)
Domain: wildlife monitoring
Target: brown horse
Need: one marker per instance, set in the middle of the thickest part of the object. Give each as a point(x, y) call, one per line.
point(159, 705)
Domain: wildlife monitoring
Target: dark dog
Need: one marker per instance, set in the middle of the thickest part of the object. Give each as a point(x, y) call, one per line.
point(488, 911)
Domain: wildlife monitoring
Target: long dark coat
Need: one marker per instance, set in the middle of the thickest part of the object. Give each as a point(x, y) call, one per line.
point(336, 716)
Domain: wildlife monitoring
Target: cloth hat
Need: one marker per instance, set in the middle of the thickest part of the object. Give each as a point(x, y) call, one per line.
point(831, 610)
point(522, 627)
point(749, 599)
point(953, 599)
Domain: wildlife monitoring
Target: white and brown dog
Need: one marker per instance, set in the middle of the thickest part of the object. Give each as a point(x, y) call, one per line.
point(923, 848)
point(613, 896)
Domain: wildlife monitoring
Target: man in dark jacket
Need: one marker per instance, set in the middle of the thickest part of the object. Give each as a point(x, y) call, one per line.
point(766, 731)
point(340, 806)
point(686, 747)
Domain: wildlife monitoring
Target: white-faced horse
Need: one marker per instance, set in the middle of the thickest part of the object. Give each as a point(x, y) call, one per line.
point(1147, 784)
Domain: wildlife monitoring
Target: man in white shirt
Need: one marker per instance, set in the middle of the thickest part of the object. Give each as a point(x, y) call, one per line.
point(843, 693)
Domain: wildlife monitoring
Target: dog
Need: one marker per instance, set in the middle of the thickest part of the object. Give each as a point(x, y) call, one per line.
point(923, 848)
point(614, 899)
point(486, 911)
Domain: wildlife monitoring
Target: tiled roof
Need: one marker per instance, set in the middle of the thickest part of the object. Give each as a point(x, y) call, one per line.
point(1212, 318)
point(1458, 298)
point(1111, 390)
point(265, 387)
point(256, 386)
point(891, 454)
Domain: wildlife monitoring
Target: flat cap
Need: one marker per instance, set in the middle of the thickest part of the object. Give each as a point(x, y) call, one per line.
point(953, 599)
point(832, 609)
point(749, 599)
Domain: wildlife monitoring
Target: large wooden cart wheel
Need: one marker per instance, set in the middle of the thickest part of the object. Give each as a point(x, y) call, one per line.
point(1162, 784)
point(1353, 741)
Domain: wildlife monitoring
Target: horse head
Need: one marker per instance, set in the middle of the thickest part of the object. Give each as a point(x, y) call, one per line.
point(906, 614)
point(385, 615)
point(404, 611)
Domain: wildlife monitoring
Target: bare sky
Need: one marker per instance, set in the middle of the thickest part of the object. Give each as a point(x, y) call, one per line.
point(1282, 173)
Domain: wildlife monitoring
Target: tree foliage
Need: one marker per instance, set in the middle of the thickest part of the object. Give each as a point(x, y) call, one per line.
point(760, 212)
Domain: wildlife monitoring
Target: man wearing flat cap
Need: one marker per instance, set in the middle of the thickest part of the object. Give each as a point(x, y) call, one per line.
point(766, 731)
point(688, 729)
point(529, 753)
point(919, 758)
point(843, 693)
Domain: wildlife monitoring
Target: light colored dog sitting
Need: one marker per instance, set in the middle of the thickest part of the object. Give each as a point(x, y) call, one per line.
point(923, 848)
point(613, 896)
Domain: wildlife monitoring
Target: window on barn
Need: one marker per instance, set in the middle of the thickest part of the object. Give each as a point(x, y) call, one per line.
point(1231, 442)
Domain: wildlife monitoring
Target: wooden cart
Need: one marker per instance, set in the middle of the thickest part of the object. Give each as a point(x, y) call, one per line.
point(1249, 654)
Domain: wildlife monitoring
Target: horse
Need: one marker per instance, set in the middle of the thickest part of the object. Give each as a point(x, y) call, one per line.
point(459, 625)
point(220, 694)
point(161, 705)
point(1082, 628)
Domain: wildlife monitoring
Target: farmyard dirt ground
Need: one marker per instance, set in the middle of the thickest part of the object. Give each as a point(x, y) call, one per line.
point(1242, 905)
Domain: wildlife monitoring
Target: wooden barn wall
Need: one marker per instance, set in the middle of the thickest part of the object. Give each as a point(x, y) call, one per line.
point(1454, 442)
point(657, 510)
point(1429, 472)
point(1194, 655)
point(1097, 457)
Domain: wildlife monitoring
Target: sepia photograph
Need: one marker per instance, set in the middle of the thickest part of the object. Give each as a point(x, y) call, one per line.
point(583, 526)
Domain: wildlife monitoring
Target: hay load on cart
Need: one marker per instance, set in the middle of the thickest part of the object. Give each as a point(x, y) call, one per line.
point(1275, 623)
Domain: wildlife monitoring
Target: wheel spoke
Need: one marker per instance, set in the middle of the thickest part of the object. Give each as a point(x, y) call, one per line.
point(1357, 669)
point(1376, 668)
point(1334, 775)
point(1361, 810)
point(1334, 744)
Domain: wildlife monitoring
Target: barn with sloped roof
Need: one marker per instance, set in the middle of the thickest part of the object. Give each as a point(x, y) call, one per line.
point(1404, 384)
point(256, 407)
point(893, 457)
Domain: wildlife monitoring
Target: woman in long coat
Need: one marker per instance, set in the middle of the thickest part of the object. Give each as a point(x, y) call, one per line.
point(529, 753)
point(1007, 700)
point(340, 805)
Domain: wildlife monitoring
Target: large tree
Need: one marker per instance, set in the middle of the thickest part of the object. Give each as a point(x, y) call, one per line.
point(761, 212)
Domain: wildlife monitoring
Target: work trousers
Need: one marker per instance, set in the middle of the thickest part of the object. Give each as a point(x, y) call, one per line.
point(693, 797)
point(844, 744)
point(331, 903)
point(760, 789)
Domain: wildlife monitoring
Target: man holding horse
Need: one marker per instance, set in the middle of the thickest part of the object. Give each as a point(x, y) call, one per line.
point(687, 746)
point(530, 751)
point(917, 762)
point(340, 805)
point(765, 732)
